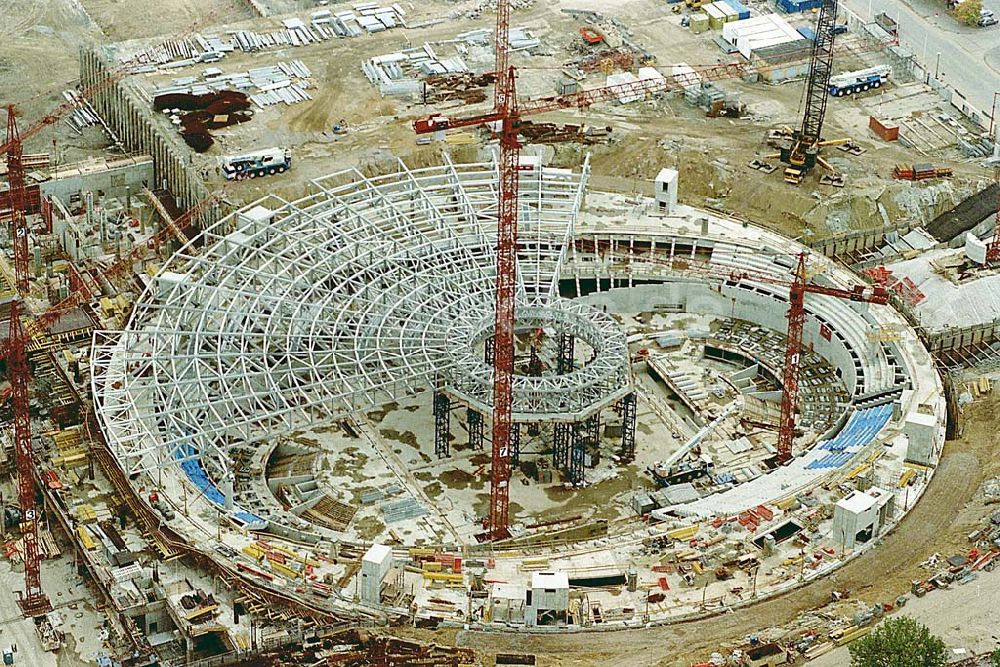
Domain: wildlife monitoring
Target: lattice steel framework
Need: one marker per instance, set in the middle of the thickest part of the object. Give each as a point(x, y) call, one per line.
point(562, 434)
point(475, 422)
point(295, 313)
point(564, 363)
point(442, 425)
point(515, 446)
point(628, 410)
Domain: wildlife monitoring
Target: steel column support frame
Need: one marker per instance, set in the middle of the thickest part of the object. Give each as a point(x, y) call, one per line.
point(793, 355)
point(574, 470)
point(561, 436)
point(534, 363)
point(489, 350)
point(564, 364)
point(442, 425)
point(475, 422)
point(628, 411)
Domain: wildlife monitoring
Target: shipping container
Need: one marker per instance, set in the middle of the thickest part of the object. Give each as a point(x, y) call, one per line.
point(742, 11)
point(716, 18)
point(699, 22)
point(729, 14)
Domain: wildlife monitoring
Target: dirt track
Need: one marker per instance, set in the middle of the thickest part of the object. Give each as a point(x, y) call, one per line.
point(935, 524)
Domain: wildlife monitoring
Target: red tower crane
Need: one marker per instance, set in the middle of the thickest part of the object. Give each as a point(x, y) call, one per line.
point(793, 348)
point(33, 600)
point(798, 287)
point(505, 118)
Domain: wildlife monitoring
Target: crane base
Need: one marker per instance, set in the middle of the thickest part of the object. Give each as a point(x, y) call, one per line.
point(35, 605)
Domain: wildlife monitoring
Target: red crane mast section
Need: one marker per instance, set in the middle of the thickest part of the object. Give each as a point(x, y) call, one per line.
point(505, 104)
point(33, 600)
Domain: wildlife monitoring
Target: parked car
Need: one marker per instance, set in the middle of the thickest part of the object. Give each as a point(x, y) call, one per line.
point(987, 21)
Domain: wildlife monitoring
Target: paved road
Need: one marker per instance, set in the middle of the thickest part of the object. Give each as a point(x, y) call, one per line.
point(970, 56)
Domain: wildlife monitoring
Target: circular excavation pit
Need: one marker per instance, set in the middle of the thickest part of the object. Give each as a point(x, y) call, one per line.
point(317, 378)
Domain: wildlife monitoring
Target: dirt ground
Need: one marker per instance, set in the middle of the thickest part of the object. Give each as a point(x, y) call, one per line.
point(122, 19)
point(948, 511)
point(710, 153)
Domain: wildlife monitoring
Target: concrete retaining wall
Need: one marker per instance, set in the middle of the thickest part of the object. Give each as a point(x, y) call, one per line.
point(133, 121)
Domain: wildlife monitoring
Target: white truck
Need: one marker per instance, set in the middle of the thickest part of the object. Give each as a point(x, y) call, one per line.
point(265, 162)
point(859, 81)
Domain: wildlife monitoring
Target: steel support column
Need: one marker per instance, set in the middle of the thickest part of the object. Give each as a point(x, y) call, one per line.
point(489, 350)
point(561, 436)
point(475, 421)
point(577, 450)
point(628, 410)
point(442, 425)
point(564, 364)
point(515, 446)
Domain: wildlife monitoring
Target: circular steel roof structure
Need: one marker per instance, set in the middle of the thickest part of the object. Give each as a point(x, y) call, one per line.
point(289, 314)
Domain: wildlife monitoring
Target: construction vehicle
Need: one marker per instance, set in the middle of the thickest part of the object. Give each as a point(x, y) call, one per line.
point(695, 4)
point(591, 35)
point(801, 153)
point(265, 162)
point(859, 81)
point(680, 473)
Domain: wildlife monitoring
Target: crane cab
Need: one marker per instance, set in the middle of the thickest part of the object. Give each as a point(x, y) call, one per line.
point(434, 123)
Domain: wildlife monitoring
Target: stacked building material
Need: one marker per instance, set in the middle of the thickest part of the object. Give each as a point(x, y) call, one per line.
point(400, 73)
point(367, 17)
point(281, 83)
point(919, 172)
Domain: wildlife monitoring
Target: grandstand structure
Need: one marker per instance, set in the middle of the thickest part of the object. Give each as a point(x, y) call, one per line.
point(292, 316)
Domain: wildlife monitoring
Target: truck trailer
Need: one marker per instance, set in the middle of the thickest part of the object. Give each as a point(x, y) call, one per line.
point(859, 81)
point(265, 162)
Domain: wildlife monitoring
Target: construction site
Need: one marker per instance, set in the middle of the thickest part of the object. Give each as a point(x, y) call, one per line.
point(495, 333)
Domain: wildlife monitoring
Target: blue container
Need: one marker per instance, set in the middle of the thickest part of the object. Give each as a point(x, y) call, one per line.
point(740, 8)
point(794, 6)
point(807, 32)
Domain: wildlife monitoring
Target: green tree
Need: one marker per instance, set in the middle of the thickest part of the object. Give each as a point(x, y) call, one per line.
point(899, 642)
point(968, 11)
point(995, 658)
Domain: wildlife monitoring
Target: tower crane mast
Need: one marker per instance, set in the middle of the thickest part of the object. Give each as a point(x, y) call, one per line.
point(33, 601)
